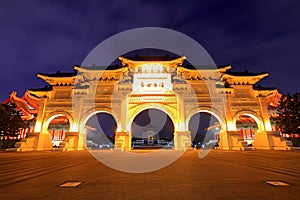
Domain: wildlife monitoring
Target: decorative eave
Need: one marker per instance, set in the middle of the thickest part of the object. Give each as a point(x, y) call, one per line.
point(273, 99)
point(265, 92)
point(134, 63)
point(243, 80)
point(228, 90)
point(22, 105)
point(223, 69)
point(93, 70)
point(57, 80)
point(41, 93)
point(31, 100)
point(96, 74)
point(202, 74)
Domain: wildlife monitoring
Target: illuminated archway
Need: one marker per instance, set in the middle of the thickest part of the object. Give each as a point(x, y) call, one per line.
point(248, 127)
point(99, 130)
point(53, 115)
point(170, 111)
point(205, 127)
point(152, 128)
point(57, 127)
point(253, 115)
point(85, 117)
point(213, 112)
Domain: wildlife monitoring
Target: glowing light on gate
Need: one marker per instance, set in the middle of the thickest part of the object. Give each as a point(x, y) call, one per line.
point(74, 127)
point(181, 126)
point(128, 125)
point(37, 127)
point(268, 125)
point(231, 126)
point(119, 128)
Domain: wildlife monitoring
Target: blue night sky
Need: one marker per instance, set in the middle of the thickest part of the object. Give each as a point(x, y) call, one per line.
point(50, 35)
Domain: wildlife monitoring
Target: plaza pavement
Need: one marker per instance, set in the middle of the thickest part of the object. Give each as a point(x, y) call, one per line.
point(219, 175)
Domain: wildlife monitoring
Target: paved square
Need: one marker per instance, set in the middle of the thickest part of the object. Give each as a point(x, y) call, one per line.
point(219, 175)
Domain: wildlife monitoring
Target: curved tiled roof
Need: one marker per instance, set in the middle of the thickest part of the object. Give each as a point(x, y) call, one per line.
point(27, 105)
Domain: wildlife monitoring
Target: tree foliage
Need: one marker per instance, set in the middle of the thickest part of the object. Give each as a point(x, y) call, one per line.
point(10, 120)
point(288, 119)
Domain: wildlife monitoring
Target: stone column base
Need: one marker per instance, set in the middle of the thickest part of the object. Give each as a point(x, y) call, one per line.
point(123, 140)
point(182, 140)
point(35, 142)
point(71, 142)
point(231, 140)
point(224, 141)
point(271, 140)
point(44, 142)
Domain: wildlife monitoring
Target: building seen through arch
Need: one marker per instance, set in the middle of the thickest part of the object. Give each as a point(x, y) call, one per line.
point(100, 131)
point(152, 128)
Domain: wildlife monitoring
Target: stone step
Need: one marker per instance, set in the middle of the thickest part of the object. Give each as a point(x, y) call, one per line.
point(293, 148)
point(11, 149)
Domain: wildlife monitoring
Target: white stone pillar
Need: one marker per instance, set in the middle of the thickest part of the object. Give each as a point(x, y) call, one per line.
point(123, 137)
point(182, 136)
point(265, 114)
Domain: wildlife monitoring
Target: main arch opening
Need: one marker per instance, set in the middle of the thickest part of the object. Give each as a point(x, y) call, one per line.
point(100, 131)
point(57, 129)
point(152, 128)
point(248, 127)
point(205, 129)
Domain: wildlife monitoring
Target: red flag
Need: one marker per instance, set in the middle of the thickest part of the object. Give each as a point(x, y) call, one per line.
point(60, 134)
point(241, 131)
point(52, 134)
point(21, 133)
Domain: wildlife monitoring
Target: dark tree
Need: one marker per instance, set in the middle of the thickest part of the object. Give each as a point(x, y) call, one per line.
point(10, 122)
point(288, 119)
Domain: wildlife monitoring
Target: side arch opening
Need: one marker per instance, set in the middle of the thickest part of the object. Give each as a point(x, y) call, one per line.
point(57, 128)
point(205, 129)
point(248, 127)
point(100, 128)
